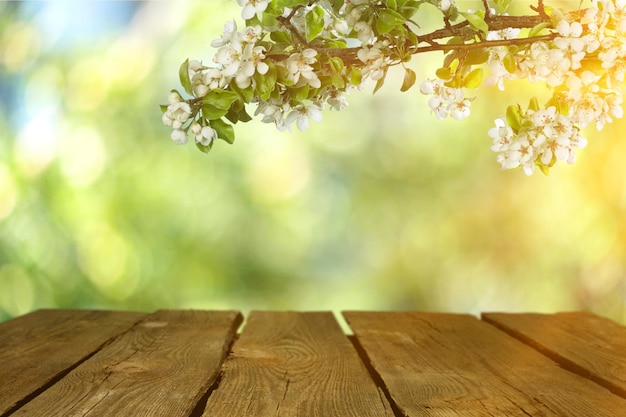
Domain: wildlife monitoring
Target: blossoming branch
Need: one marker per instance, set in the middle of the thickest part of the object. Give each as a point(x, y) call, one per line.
point(294, 58)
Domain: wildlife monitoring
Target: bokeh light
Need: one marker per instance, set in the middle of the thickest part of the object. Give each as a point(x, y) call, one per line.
point(380, 206)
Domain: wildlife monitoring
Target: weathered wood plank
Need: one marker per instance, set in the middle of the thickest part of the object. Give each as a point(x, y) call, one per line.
point(38, 348)
point(161, 367)
point(456, 365)
point(295, 364)
point(592, 346)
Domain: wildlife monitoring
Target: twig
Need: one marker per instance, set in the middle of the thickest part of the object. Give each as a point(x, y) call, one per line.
point(286, 22)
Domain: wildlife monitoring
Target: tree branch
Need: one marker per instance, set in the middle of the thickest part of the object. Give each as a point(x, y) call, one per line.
point(464, 31)
point(483, 44)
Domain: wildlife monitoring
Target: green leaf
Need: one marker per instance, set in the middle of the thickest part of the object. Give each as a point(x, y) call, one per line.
point(210, 112)
point(338, 81)
point(392, 4)
point(452, 58)
point(272, 74)
point(224, 130)
point(409, 79)
point(561, 106)
point(409, 3)
point(238, 115)
point(412, 37)
point(183, 74)
point(232, 116)
point(290, 3)
point(533, 104)
point(336, 64)
point(244, 116)
point(247, 94)
point(336, 43)
point(514, 117)
point(314, 23)
point(380, 82)
point(509, 63)
point(391, 17)
point(325, 81)
point(163, 107)
point(501, 6)
point(545, 169)
point(222, 99)
point(299, 93)
point(383, 27)
point(280, 36)
point(266, 83)
point(356, 78)
point(537, 29)
point(444, 73)
point(253, 21)
point(337, 4)
point(408, 8)
point(282, 74)
point(476, 22)
point(269, 21)
point(474, 78)
point(476, 57)
point(204, 148)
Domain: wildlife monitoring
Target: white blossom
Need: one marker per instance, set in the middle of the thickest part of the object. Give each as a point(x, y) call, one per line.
point(229, 57)
point(499, 73)
point(177, 114)
point(340, 27)
point(252, 8)
point(365, 32)
point(253, 61)
point(273, 111)
point(214, 78)
point(174, 97)
point(203, 134)
point(444, 5)
point(567, 29)
point(502, 135)
point(299, 66)
point(337, 99)
point(179, 136)
point(445, 101)
point(229, 35)
point(301, 114)
point(251, 34)
point(374, 60)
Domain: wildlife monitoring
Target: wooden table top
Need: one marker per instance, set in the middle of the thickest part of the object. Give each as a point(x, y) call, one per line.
point(179, 363)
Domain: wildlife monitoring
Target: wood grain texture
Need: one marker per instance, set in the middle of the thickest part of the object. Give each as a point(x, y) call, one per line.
point(456, 365)
point(295, 364)
point(592, 346)
point(38, 348)
point(161, 367)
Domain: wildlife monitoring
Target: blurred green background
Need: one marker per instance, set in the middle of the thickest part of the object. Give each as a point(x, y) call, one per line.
point(380, 206)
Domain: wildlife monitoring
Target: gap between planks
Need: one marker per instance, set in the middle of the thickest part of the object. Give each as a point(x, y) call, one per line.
point(31, 332)
point(572, 338)
point(295, 363)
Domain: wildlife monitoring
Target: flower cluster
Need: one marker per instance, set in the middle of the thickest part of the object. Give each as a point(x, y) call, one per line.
point(177, 114)
point(294, 58)
point(584, 65)
point(544, 135)
point(446, 101)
